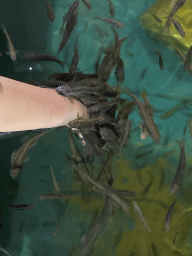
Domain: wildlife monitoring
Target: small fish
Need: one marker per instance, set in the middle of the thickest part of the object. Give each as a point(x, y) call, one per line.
point(87, 3)
point(188, 59)
point(73, 7)
point(178, 27)
point(111, 194)
point(22, 207)
point(75, 60)
point(56, 185)
point(50, 12)
point(120, 71)
point(4, 251)
point(176, 7)
point(139, 156)
point(71, 23)
point(54, 196)
point(111, 8)
point(107, 134)
point(84, 123)
point(160, 60)
point(180, 170)
point(19, 156)
point(66, 90)
point(89, 239)
point(150, 125)
point(115, 23)
point(103, 105)
point(124, 112)
point(123, 192)
point(124, 136)
point(156, 17)
point(34, 56)
point(138, 210)
point(12, 50)
point(168, 216)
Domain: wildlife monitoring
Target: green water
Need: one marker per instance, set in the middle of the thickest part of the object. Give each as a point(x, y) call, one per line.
point(27, 233)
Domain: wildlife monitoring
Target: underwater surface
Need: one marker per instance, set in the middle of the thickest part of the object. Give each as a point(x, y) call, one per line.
point(87, 219)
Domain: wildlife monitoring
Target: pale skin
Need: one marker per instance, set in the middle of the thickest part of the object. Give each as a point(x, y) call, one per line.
point(28, 107)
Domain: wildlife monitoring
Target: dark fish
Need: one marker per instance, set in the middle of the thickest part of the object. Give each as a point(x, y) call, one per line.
point(55, 183)
point(156, 17)
point(107, 134)
point(89, 239)
point(50, 84)
point(50, 11)
point(138, 210)
point(123, 192)
point(115, 23)
point(103, 105)
point(168, 216)
point(176, 7)
point(160, 60)
point(66, 77)
point(110, 58)
point(83, 90)
point(111, 194)
point(180, 170)
point(124, 136)
point(150, 125)
point(91, 139)
point(188, 59)
point(154, 249)
point(73, 7)
point(75, 60)
point(144, 154)
point(22, 207)
point(54, 196)
point(88, 100)
point(86, 2)
point(19, 156)
point(178, 27)
point(71, 23)
point(189, 67)
point(120, 71)
point(34, 56)
point(111, 8)
point(124, 112)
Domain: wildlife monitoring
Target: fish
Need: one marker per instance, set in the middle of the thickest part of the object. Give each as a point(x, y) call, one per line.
point(120, 71)
point(50, 12)
point(88, 100)
point(4, 251)
point(176, 7)
point(92, 140)
point(22, 207)
point(81, 166)
point(103, 105)
point(81, 123)
point(34, 56)
point(124, 112)
point(81, 91)
point(160, 60)
point(54, 196)
point(110, 59)
point(168, 216)
point(150, 125)
point(111, 194)
point(89, 239)
point(115, 23)
point(75, 60)
point(139, 156)
point(12, 50)
point(107, 134)
point(178, 27)
point(177, 182)
point(156, 17)
point(190, 125)
point(183, 58)
point(188, 59)
point(73, 7)
point(138, 210)
point(154, 249)
point(55, 183)
point(19, 157)
point(111, 8)
point(124, 136)
point(71, 23)
point(87, 3)
point(123, 192)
